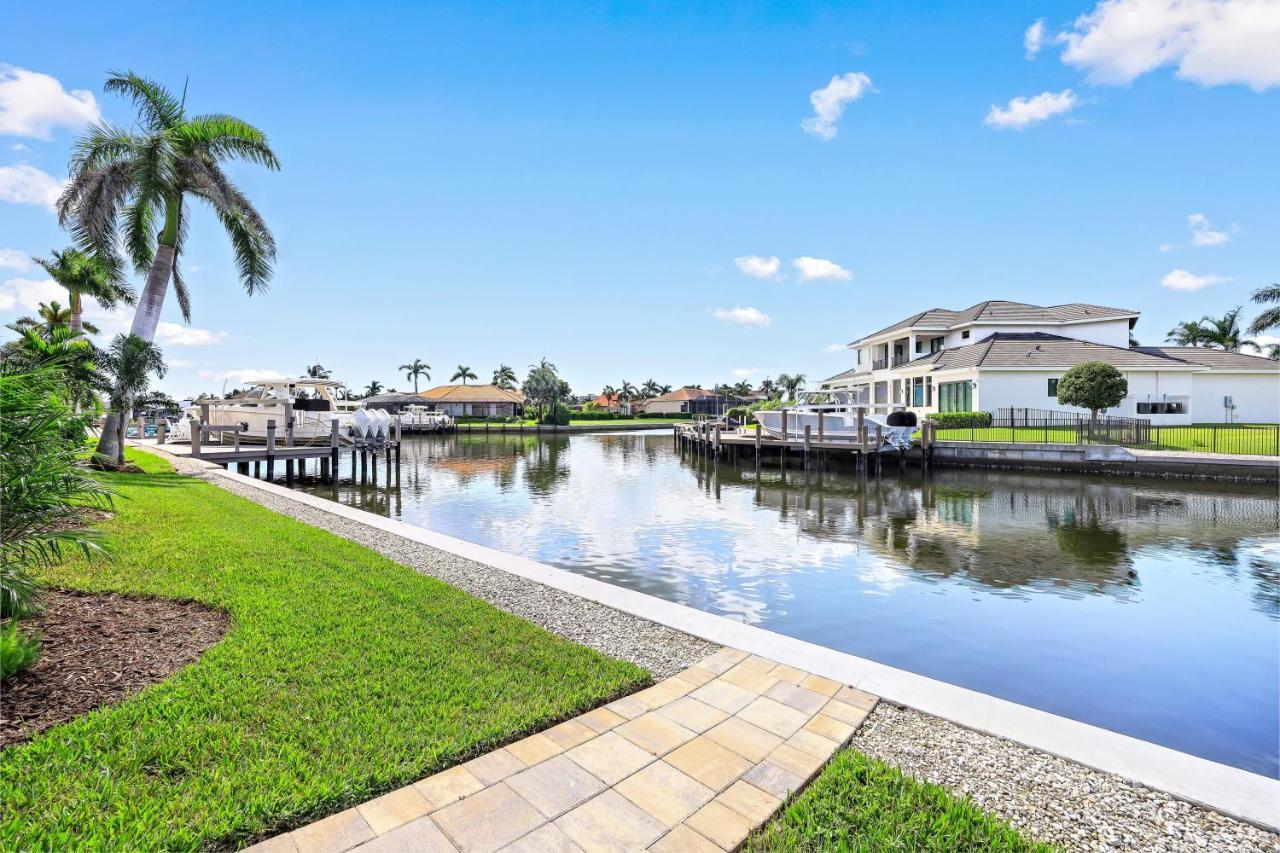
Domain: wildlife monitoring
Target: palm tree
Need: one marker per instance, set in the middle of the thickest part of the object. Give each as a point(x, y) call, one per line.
point(464, 373)
point(51, 316)
point(610, 395)
point(1225, 331)
point(1272, 351)
point(650, 389)
point(84, 274)
point(57, 350)
point(664, 389)
point(505, 378)
point(742, 389)
point(626, 391)
point(768, 387)
point(139, 182)
point(414, 369)
point(318, 371)
point(1270, 318)
point(130, 361)
point(791, 383)
point(1188, 333)
point(374, 387)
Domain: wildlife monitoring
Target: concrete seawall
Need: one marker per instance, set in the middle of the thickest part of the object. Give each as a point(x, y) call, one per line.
point(1107, 459)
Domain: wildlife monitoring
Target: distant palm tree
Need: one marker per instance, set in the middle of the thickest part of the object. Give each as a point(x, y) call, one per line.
point(414, 369)
point(1225, 332)
point(664, 389)
point(84, 274)
point(1188, 333)
point(374, 387)
point(140, 179)
point(742, 389)
point(1270, 318)
point(131, 360)
point(768, 387)
point(51, 316)
point(318, 371)
point(627, 391)
point(1272, 351)
point(650, 389)
point(792, 383)
point(464, 373)
point(610, 395)
point(504, 377)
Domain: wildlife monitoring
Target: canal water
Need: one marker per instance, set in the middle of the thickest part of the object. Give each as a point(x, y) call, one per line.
point(1144, 606)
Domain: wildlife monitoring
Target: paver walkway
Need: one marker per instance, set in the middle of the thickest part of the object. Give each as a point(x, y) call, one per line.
point(693, 763)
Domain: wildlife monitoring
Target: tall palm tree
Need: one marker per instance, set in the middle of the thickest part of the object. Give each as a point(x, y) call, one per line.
point(1188, 333)
point(374, 387)
point(1225, 331)
point(626, 391)
point(86, 274)
point(650, 389)
point(131, 360)
point(1270, 318)
point(610, 395)
point(505, 378)
point(414, 369)
point(139, 181)
point(464, 373)
point(318, 371)
point(791, 383)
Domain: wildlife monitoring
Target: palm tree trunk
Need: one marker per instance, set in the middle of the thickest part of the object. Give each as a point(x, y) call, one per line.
point(145, 321)
point(77, 311)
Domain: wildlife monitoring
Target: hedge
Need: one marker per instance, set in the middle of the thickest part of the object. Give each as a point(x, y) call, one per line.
point(960, 420)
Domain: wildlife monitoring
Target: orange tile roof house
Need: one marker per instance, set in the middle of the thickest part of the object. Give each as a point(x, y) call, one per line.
point(474, 401)
point(695, 400)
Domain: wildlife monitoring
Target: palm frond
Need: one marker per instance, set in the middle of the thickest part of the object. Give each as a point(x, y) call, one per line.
point(223, 136)
point(159, 109)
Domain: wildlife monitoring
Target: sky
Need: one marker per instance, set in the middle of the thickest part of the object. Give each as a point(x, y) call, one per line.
point(688, 193)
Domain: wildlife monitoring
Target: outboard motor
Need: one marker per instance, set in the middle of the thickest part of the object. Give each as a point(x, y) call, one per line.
point(899, 419)
point(911, 419)
point(364, 427)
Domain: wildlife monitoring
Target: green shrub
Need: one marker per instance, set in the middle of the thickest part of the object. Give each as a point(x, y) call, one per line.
point(17, 651)
point(558, 415)
point(960, 420)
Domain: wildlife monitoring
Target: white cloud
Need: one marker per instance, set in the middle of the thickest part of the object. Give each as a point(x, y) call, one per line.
point(1265, 342)
point(820, 269)
point(835, 348)
point(1203, 233)
point(23, 184)
point(33, 104)
point(757, 266)
point(829, 103)
point(29, 293)
point(15, 260)
point(1033, 39)
point(744, 372)
point(19, 147)
point(742, 316)
point(177, 335)
point(1183, 280)
point(1021, 113)
point(1211, 42)
point(180, 363)
point(241, 376)
point(1167, 247)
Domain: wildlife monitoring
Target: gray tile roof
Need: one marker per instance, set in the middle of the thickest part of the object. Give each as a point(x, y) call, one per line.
point(1002, 311)
point(1220, 359)
point(841, 377)
point(1038, 349)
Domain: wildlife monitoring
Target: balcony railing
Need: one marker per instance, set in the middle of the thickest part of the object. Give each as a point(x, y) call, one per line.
point(899, 360)
point(880, 364)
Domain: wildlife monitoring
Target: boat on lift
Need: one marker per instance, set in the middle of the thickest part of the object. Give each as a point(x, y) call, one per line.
point(315, 405)
point(839, 414)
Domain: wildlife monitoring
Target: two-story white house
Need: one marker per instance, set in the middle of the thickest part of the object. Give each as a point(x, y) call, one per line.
point(1000, 354)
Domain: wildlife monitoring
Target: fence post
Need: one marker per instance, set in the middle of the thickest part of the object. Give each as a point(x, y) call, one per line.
point(1215, 438)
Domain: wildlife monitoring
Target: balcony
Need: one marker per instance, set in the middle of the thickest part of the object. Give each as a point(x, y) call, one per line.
point(880, 364)
point(899, 360)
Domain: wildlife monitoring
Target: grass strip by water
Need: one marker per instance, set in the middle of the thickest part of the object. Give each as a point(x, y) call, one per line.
point(861, 804)
point(1249, 439)
point(344, 675)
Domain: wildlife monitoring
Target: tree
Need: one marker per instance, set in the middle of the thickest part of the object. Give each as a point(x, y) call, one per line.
point(626, 392)
point(1225, 331)
point(544, 388)
point(505, 378)
point(1270, 318)
point(414, 369)
point(791, 383)
point(768, 387)
point(1092, 385)
point(130, 361)
point(742, 389)
point(60, 352)
point(49, 316)
point(374, 387)
point(85, 274)
point(610, 395)
point(464, 373)
point(318, 371)
point(1188, 333)
point(139, 182)
point(650, 389)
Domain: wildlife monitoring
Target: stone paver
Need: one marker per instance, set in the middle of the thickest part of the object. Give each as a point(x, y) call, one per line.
point(693, 763)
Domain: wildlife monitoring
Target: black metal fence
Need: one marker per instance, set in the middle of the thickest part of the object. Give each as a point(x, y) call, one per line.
point(1030, 426)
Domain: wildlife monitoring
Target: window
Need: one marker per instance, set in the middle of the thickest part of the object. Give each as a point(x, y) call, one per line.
point(919, 345)
point(955, 397)
point(928, 390)
point(859, 356)
point(965, 334)
point(935, 345)
point(1053, 388)
point(917, 392)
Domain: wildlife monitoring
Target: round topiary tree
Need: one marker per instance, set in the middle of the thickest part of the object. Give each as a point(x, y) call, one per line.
point(1093, 385)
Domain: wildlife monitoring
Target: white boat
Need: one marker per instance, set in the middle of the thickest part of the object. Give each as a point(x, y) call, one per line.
point(424, 418)
point(315, 404)
point(839, 420)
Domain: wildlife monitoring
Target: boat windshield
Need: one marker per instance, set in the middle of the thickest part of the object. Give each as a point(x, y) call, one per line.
point(825, 398)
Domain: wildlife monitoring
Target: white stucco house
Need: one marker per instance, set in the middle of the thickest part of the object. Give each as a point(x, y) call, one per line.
point(1000, 354)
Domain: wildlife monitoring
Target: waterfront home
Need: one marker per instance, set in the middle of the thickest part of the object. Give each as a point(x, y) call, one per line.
point(1000, 354)
point(478, 401)
point(689, 401)
point(393, 402)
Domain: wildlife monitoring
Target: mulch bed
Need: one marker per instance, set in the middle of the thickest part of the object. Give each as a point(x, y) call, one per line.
point(99, 649)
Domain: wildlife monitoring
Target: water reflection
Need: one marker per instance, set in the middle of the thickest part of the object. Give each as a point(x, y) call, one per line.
point(1144, 606)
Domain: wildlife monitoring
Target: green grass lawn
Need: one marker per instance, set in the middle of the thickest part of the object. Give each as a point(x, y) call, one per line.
point(1258, 439)
point(572, 422)
point(344, 675)
point(861, 804)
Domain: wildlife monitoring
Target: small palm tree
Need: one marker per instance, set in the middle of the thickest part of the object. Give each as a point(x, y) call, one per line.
point(139, 182)
point(464, 373)
point(374, 387)
point(318, 371)
point(130, 361)
point(791, 383)
point(1270, 318)
point(505, 378)
point(414, 369)
point(51, 316)
point(610, 395)
point(85, 274)
point(1188, 333)
point(1225, 332)
point(768, 387)
point(61, 352)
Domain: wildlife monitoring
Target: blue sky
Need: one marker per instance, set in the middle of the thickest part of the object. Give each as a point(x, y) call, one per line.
point(483, 183)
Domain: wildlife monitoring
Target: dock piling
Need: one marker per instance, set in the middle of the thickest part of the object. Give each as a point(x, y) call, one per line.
point(271, 449)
